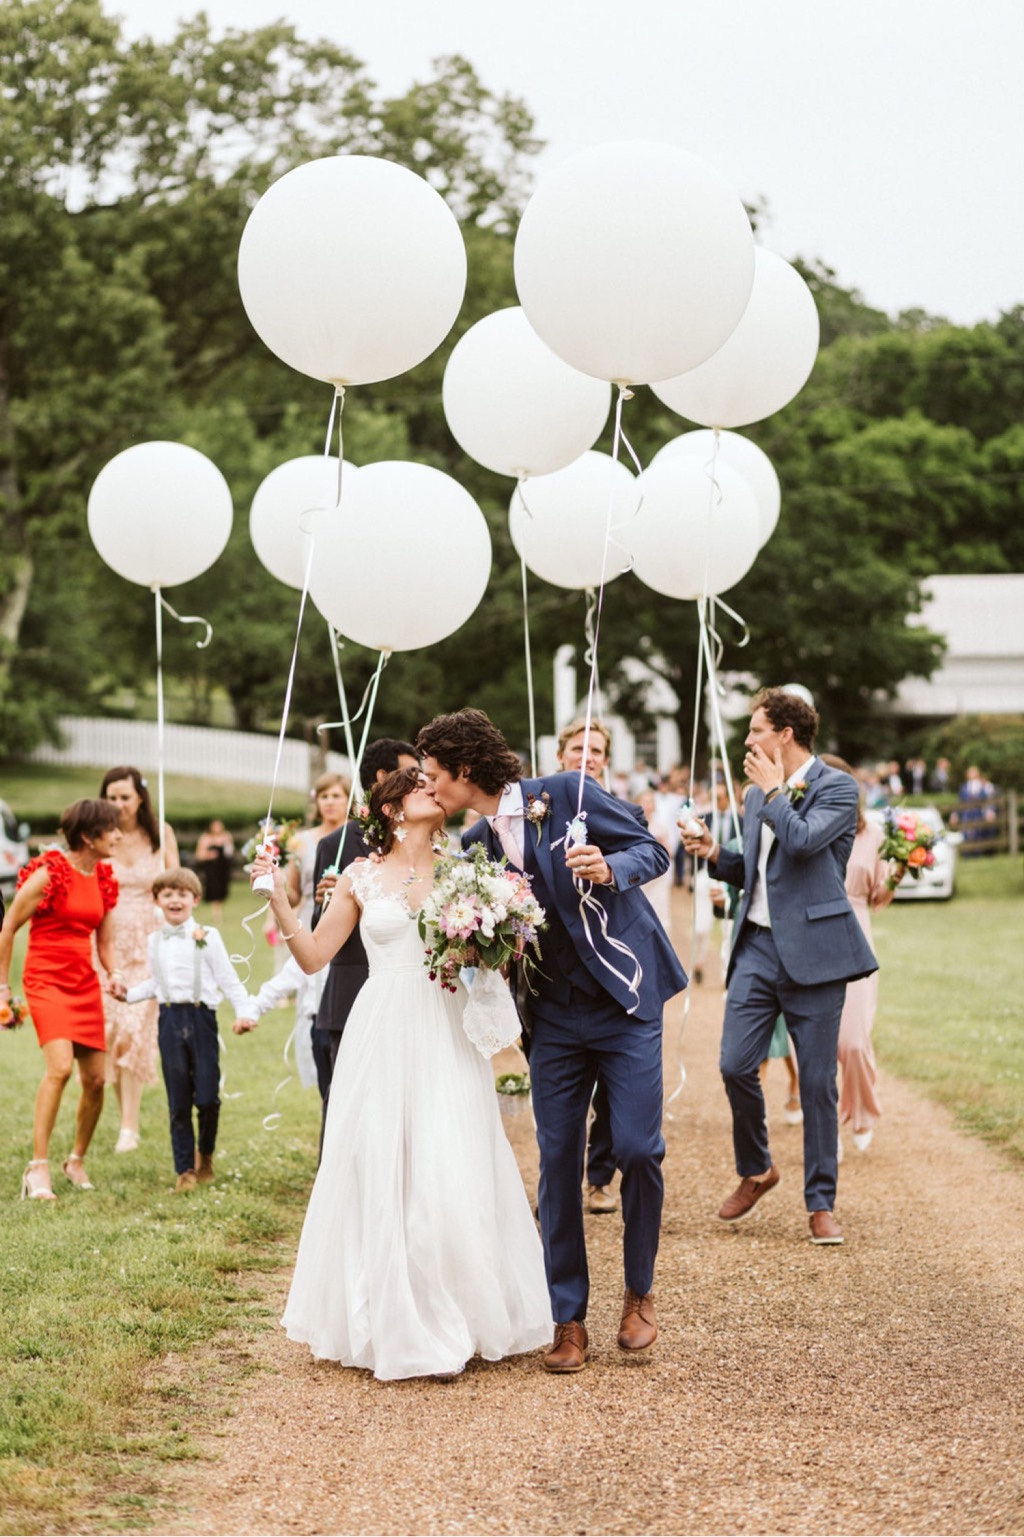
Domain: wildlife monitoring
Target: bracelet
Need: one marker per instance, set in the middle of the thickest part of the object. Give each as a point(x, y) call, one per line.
point(116, 973)
point(297, 930)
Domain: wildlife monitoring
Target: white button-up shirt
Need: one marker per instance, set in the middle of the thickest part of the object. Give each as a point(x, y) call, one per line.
point(758, 912)
point(182, 971)
point(512, 805)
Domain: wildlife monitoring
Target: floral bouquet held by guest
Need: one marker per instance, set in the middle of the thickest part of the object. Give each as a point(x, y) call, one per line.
point(909, 843)
point(481, 914)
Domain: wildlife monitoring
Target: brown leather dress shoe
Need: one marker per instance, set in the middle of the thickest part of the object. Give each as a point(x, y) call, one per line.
point(639, 1328)
point(747, 1194)
point(601, 1199)
point(570, 1350)
point(204, 1168)
point(185, 1182)
point(824, 1228)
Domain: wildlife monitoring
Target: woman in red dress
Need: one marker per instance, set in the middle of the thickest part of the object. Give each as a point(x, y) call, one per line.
point(66, 897)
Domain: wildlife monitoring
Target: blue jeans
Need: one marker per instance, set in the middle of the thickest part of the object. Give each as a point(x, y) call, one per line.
point(190, 1058)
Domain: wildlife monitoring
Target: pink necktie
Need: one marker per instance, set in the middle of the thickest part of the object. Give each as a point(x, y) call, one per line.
point(507, 839)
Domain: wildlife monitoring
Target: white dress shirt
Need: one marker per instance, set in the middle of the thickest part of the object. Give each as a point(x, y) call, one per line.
point(758, 912)
point(182, 971)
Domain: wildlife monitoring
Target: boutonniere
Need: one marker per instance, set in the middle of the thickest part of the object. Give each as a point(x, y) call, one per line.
point(537, 810)
point(797, 791)
point(199, 935)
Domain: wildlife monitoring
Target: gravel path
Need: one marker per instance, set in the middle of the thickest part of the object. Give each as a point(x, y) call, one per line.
point(874, 1388)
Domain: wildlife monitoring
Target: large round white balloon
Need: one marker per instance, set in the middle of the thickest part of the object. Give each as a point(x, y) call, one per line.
point(160, 513)
point(764, 363)
point(513, 405)
point(352, 269)
point(694, 536)
point(405, 559)
point(740, 454)
point(634, 261)
point(280, 520)
point(559, 522)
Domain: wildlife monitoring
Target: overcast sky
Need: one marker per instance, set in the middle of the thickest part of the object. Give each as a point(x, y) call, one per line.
point(885, 135)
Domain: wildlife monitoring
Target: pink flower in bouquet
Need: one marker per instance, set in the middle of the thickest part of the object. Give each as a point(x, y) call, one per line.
point(461, 918)
point(907, 823)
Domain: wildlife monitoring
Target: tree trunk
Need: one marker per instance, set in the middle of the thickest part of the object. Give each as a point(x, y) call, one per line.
point(18, 565)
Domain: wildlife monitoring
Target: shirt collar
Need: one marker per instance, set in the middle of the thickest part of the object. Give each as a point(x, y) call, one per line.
point(511, 803)
point(803, 771)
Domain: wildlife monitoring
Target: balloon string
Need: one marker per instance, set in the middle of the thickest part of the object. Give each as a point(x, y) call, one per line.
point(367, 703)
point(343, 701)
point(160, 724)
point(617, 441)
point(529, 671)
point(189, 619)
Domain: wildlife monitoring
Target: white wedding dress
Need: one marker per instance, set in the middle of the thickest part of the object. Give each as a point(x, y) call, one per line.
point(418, 1250)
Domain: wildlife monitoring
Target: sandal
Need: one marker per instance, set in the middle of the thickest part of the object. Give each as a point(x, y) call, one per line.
point(35, 1185)
point(74, 1169)
point(793, 1114)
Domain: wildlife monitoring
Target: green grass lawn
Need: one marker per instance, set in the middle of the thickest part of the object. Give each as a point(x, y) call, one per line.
point(100, 1287)
point(951, 1016)
point(37, 793)
point(103, 1294)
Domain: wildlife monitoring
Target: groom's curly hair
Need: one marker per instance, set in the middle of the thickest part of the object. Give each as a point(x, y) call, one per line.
point(468, 740)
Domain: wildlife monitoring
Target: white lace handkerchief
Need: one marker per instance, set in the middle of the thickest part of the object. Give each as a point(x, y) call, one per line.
point(490, 1019)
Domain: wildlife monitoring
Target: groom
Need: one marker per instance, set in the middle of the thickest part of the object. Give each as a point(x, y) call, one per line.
point(594, 1007)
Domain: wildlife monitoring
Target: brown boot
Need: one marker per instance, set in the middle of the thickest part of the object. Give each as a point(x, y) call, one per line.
point(204, 1168)
point(185, 1182)
point(639, 1328)
point(570, 1350)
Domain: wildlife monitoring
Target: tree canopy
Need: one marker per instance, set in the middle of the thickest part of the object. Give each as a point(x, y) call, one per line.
point(129, 169)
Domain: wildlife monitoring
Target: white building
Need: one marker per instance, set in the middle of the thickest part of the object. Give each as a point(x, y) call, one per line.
point(982, 621)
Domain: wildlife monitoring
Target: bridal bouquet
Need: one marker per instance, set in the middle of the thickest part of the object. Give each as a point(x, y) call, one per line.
point(908, 841)
point(485, 915)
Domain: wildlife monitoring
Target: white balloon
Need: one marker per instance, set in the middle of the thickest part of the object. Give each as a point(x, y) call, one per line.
point(280, 519)
point(160, 513)
point(693, 536)
point(634, 261)
point(738, 453)
point(559, 523)
point(405, 559)
point(764, 363)
point(513, 405)
point(351, 269)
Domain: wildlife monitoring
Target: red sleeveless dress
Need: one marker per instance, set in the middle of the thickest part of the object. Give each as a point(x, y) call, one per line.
point(62, 989)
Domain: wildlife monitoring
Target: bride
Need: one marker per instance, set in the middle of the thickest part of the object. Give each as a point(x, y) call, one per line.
point(418, 1250)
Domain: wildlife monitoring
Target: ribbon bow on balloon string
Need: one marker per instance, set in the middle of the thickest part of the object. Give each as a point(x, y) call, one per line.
point(591, 908)
point(161, 604)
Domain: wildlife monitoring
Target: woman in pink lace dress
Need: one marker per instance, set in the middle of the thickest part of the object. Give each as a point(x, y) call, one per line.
point(868, 887)
point(131, 1029)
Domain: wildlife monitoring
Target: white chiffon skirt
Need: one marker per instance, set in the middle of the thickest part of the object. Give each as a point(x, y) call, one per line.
point(419, 1249)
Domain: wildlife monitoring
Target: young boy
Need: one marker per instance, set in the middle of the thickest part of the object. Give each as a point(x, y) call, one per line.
point(189, 975)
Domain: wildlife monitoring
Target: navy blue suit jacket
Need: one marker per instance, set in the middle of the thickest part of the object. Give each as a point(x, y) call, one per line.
point(634, 858)
point(813, 925)
point(349, 967)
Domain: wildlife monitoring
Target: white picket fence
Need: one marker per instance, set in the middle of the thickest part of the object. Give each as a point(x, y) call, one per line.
point(199, 751)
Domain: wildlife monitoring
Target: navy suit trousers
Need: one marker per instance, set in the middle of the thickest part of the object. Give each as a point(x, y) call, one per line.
point(760, 990)
point(190, 1058)
point(571, 1042)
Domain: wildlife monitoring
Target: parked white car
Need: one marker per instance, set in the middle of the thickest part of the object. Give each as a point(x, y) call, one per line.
point(939, 882)
point(13, 849)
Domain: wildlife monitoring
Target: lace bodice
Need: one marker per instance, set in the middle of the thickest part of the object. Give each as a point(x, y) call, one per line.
point(388, 926)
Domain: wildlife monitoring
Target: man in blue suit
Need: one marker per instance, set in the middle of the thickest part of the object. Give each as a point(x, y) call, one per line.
point(796, 945)
point(607, 969)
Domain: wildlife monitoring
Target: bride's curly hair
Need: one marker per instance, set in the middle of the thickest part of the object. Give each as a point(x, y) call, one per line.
point(469, 740)
point(385, 806)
